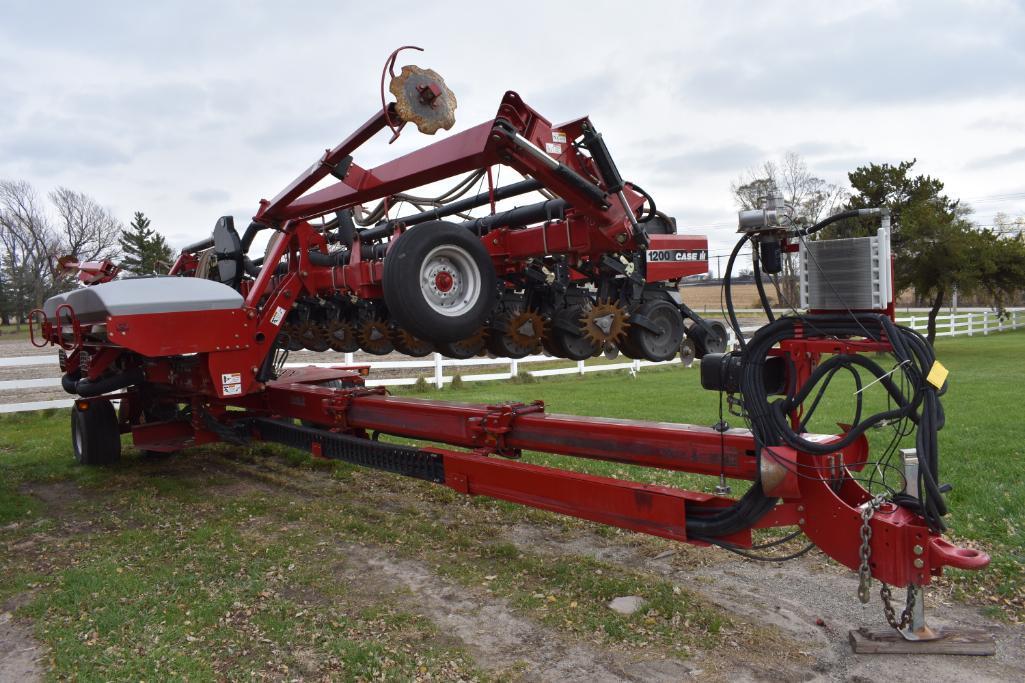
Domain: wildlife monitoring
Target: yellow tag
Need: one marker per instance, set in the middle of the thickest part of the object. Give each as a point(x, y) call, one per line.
point(937, 375)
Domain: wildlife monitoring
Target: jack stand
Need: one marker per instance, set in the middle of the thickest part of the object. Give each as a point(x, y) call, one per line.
point(917, 629)
point(722, 488)
point(919, 638)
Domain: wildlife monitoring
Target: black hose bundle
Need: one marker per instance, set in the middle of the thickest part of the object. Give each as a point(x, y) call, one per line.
point(770, 423)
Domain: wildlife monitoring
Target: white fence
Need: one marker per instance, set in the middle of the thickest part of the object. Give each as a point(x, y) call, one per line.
point(443, 370)
point(969, 323)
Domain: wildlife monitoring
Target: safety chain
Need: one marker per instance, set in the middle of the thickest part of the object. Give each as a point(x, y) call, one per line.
point(891, 614)
point(864, 570)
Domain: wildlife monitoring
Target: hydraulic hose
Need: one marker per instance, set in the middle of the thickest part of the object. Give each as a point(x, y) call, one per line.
point(728, 289)
point(88, 388)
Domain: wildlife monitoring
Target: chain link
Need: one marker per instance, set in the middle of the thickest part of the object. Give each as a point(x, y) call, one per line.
point(891, 614)
point(865, 552)
point(865, 571)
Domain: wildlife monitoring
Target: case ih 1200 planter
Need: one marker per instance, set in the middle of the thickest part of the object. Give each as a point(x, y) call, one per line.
point(197, 357)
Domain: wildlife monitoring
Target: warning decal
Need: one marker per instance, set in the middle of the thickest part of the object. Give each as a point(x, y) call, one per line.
point(231, 383)
point(275, 319)
point(553, 148)
point(558, 136)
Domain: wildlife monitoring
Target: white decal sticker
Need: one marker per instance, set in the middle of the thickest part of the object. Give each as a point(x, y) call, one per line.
point(670, 255)
point(553, 148)
point(275, 319)
point(558, 136)
point(231, 383)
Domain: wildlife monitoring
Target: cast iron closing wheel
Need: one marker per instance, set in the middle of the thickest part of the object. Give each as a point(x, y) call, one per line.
point(439, 282)
point(95, 437)
point(661, 345)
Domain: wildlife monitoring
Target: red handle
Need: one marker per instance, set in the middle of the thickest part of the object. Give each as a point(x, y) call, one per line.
point(76, 330)
point(945, 553)
point(36, 315)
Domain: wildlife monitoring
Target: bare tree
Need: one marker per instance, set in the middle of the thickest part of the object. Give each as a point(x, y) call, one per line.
point(811, 198)
point(30, 242)
point(84, 229)
point(26, 241)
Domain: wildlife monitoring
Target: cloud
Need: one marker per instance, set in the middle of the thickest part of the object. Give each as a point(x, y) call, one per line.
point(210, 196)
point(931, 52)
point(729, 156)
point(52, 150)
point(1014, 156)
point(822, 148)
point(998, 123)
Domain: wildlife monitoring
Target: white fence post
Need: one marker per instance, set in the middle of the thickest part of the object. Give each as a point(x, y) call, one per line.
point(514, 367)
point(950, 325)
point(912, 325)
point(985, 323)
point(971, 323)
point(580, 367)
point(438, 377)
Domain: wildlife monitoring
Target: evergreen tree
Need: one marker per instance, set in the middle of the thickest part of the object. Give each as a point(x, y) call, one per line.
point(146, 252)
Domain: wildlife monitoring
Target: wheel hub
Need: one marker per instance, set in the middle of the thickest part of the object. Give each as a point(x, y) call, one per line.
point(443, 281)
point(450, 281)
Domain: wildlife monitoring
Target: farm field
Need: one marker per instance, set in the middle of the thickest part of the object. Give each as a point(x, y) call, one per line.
point(260, 563)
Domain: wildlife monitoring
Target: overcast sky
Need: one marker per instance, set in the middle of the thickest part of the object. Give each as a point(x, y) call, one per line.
point(188, 111)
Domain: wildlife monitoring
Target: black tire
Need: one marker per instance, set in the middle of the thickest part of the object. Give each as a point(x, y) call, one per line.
point(660, 346)
point(704, 343)
point(416, 271)
point(568, 339)
point(95, 434)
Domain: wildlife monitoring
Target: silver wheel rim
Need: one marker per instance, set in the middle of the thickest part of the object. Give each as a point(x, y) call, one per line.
point(451, 265)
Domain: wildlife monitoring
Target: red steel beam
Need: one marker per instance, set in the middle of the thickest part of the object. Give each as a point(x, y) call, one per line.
point(680, 447)
point(646, 508)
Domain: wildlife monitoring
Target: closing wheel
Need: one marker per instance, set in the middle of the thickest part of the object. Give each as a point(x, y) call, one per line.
point(408, 345)
point(709, 342)
point(341, 335)
point(515, 333)
point(313, 336)
point(657, 330)
point(568, 339)
point(464, 348)
point(291, 332)
point(374, 337)
point(95, 436)
point(439, 282)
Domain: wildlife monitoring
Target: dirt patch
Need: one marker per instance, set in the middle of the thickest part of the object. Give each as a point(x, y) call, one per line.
point(60, 497)
point(21, 655)
point(812, 600)
point(499, 639)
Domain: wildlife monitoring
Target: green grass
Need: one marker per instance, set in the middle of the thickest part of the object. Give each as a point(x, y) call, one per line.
point(8, 332)
point(215, 562)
